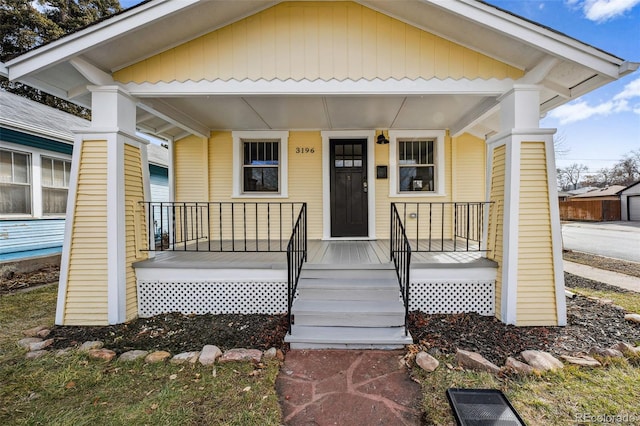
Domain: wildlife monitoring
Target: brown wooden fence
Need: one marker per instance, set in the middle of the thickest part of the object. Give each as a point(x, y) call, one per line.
point(590, 210)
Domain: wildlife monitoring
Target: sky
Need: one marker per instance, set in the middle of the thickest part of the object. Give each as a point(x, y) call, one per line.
point(599, 128)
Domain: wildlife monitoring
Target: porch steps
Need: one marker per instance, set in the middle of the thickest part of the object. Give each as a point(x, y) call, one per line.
point(348, 307)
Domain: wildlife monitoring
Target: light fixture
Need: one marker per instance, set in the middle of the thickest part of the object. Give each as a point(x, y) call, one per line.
point(382, 140)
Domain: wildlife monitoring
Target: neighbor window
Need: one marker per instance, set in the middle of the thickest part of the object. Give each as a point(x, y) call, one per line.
point(260, 166)
point(416, 165)
point(55, 185)
point(15, 182)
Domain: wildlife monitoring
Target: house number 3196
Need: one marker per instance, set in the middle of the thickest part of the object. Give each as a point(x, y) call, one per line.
point(305, 150)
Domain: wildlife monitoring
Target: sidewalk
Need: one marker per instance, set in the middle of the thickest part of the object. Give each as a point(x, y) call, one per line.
point(608, 277)
point(347, 387)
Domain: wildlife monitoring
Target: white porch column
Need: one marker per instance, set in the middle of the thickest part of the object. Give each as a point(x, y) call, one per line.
point(104, 231)
point(524, 224)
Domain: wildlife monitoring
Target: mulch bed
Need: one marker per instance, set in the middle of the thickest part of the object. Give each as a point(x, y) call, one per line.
point(590, 323)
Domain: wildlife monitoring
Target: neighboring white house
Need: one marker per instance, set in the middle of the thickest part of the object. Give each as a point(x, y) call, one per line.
point(36, 144)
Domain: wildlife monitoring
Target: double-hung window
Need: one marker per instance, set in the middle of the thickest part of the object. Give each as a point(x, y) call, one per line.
point(417, 166)
point(15, 182)
point(260, 163)
point(55, 185)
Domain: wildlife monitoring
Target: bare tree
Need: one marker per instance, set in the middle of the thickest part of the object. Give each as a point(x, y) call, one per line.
point(569, 177)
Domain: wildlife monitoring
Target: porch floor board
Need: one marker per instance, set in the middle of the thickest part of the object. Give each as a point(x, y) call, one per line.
point(320, 252)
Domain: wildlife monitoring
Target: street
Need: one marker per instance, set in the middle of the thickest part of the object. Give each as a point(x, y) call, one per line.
point(620, 240)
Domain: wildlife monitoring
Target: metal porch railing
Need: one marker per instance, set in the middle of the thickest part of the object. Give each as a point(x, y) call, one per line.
point(220, 226)
point(401, 256)
point(444, 226)
point(296, 256)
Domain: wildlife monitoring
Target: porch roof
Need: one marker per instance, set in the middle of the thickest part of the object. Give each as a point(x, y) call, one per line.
point(565, 68)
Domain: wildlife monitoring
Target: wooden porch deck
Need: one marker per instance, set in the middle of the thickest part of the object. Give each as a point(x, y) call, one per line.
point(333, 252)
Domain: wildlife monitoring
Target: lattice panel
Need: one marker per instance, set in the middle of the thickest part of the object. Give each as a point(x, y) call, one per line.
point(211, 297)
point(453, 297)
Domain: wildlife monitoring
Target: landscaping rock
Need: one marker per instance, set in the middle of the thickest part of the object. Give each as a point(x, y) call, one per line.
point(44, 333)
point(64, 352)
point(627, 348)
point(27, 341)
point(581, 360)
point(157, 356)
point(33, 332)
point(633, 318)
point(36, 354)
point(518, 366)
point(191, 357)
point(427, 362)
point(475, 361)
point(38, 346)
point(209, 354)
point(87, 346)
point(270, 353)
point(104, 354)
point(541, 360)
point(608, 352)
point(132, 355)
point(241, 354)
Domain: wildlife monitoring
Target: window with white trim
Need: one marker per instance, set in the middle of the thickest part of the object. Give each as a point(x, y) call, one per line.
point(416, 163)
point(55, 175)
point(260, 163)
point(15, 182)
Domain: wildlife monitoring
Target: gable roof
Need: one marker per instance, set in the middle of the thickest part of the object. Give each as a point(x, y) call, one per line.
point(565, 67)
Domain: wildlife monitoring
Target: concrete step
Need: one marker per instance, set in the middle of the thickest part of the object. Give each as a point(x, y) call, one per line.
point(306, 337)
point(348, 289)
point(352, 313)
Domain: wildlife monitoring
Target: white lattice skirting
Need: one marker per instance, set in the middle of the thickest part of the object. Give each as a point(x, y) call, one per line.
point(203, 297)
point(453, 297)
point(270, 297)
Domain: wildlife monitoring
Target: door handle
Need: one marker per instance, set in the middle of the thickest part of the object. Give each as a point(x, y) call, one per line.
point(365, 186)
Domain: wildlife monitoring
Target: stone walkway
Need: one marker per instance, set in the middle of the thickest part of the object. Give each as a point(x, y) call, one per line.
point(354, 387)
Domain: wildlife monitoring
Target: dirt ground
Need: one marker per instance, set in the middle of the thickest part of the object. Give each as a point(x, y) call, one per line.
point(589, 323)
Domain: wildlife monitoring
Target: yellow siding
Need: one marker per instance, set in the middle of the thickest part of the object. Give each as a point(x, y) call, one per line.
point(536, 288)
point(312, 40)
point(496, 219)
point(86, 297)
point(135, 233)
point(469, 168)
point(190, 167)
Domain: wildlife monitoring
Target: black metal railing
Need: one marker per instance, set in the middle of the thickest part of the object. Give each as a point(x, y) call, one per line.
point(221, 226)
point(296, 256)
point(444, 226)
point(401, 256)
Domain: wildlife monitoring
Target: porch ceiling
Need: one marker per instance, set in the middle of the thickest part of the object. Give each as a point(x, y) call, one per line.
point(322, 112)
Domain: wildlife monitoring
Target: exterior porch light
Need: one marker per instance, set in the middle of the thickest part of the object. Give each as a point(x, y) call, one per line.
point(382, 140)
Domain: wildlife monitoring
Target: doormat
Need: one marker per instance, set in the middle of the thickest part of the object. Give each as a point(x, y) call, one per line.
point(482, 407)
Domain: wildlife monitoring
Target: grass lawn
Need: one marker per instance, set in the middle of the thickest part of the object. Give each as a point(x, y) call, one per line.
point(75, 390)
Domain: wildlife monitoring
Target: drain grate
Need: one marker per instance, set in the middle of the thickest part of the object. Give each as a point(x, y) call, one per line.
point(482, 407)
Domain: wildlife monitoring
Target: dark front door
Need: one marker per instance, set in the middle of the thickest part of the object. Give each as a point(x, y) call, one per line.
point(349, 213)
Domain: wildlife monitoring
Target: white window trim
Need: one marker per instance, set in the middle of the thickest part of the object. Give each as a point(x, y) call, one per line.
point(36, 175)
point(42, 186)
point(283, 182)
point(438, 136)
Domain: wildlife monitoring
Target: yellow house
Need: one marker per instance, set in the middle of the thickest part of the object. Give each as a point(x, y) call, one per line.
point(320, 151)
